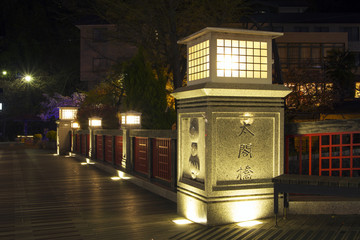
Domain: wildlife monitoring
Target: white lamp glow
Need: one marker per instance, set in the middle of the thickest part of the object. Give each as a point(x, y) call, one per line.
point(67, 113)
point(75, 125)
point(229, 55)
point(131, 119)
point(95, 122)
point(28, 78)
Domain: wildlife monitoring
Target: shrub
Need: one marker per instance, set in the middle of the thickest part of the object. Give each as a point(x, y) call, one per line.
point(51, 135)
point(37, 137)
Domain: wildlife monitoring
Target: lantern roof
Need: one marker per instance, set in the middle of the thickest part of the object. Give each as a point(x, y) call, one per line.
point(229, 31)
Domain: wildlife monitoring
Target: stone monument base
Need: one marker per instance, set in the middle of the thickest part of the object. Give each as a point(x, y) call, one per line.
point(225, 210)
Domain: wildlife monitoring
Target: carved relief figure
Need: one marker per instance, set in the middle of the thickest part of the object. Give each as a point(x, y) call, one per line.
point(194, 160)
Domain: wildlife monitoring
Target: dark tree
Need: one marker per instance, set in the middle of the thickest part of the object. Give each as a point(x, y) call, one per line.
point(157, 25)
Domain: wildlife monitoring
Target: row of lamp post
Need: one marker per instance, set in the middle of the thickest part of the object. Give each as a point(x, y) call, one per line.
point(68, 123)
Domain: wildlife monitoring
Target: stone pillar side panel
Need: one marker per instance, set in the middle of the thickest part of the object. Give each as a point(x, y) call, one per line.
point(246, 148)
point(192, 149)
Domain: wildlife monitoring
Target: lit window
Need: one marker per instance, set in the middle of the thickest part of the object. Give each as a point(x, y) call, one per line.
point(199, 61)
point(241, 59)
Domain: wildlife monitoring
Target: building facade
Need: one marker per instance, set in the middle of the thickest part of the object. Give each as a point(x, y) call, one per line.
point(101, 46)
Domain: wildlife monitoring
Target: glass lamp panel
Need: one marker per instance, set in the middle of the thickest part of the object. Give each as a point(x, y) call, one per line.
point(250, 59)
point(227, 43)
point(227, 50)
point(68, 114)
point(227, 73)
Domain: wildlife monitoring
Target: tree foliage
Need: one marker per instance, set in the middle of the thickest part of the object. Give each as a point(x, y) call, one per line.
point(340, 67)
point(159, 24)
point(311, 93)
point(145, 92)
point(51, 104)
point(38, 40)
point(101, 101)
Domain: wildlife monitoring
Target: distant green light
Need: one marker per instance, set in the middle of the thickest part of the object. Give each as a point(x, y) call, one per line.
point(4, 73)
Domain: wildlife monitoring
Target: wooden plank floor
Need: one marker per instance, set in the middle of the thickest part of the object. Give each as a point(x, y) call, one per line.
point(43, 196)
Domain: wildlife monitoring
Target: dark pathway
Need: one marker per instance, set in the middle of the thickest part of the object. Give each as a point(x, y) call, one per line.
point(43, 196)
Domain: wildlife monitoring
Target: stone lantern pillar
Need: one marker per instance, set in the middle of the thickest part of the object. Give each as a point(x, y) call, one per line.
point(230, 127)
point(129, 120)
point(66, 116)
point(94, 123)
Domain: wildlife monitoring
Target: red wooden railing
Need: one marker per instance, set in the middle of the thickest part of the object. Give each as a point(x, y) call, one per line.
point(78, 146)
point(99, 147)
point(141, 155)
point(323, 154)
point(85, 138)
point(151, 157)
point(118, 150)
point(109, 149)
point(162, 158)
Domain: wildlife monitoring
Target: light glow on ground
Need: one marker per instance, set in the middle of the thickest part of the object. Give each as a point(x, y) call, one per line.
point(88, 161)
point(249, 223)
point(122, 175)
point(115, 178)
point(181, 221)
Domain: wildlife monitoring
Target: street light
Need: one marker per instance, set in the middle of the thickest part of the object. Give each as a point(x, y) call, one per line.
point(28, 78)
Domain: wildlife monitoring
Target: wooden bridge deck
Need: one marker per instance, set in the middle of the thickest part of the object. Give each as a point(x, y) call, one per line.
point(43, 196)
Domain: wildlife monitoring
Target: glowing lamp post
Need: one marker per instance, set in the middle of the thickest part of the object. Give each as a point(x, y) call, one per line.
point(94, 123)
point(74, 126)
point(64, 130)
point(230, 127)
point(229, 55)
point(131, 119)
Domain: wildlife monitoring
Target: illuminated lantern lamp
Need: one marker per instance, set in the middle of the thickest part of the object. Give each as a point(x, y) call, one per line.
point(67, 113)
point(66, 116)
point(95, 122)
point(229, 55)
point(131, 119)
point(75, 125)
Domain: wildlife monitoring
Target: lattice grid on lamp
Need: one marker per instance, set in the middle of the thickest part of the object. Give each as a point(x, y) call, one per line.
point(241, 59)
point(199, 61)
